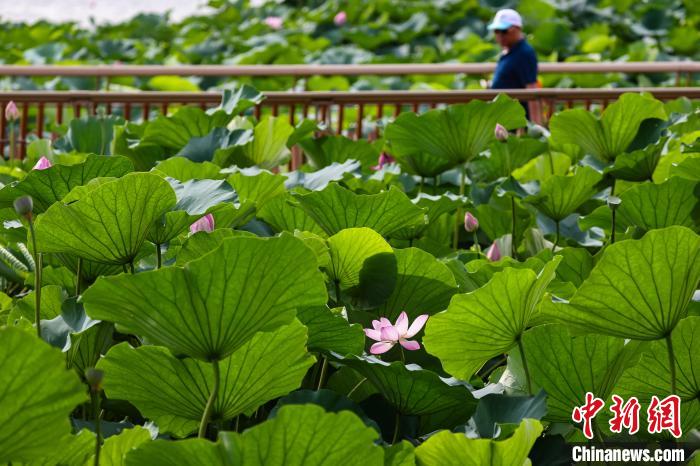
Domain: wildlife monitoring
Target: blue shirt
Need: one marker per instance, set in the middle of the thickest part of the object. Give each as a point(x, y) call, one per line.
point(517, 68)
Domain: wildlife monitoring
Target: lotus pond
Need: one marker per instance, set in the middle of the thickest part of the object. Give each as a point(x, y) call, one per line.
point(448, 294)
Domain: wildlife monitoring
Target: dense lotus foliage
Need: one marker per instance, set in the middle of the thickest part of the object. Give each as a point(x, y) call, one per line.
point(438, 296)
point(349, 32)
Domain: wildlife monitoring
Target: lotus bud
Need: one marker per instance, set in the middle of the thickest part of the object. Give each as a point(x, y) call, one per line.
point(11, 112)
point(500, 132)
point(614, 202)
point(494, 253)
point(42, 164)
point(94, 379)
point(24, 206)
point(340, 19)
point(274, 22)
point(205, 223)
point(471, 224)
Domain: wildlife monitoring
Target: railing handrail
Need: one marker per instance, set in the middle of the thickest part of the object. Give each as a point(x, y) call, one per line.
point(338, 70)
point(359, 97)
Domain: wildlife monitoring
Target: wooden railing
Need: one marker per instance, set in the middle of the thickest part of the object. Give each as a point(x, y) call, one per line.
point(354, 114)
point(678, 67)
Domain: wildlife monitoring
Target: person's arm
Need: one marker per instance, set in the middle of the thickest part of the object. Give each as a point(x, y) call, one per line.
point(534, 106)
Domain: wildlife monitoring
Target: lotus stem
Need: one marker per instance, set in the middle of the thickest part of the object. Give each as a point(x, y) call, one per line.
point(37, 278)
point(77, 276)
point(131, 267)
point(397, 428)
point(476, 242)
point(209, 408)
point(159, 256)
point(556, 238)
point(324, 368)
point(551, 161)
point(521, 347)
point(97, 416)
point(422, 183)
point(458, 223)
point(12, 143)
point(513, 244)
point(671, 362)
point(358, 385)
point(612, 230)
point(403, 356)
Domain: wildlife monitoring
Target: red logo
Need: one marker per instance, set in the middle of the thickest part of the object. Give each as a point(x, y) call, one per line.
point(665, 415)
point(587, 413)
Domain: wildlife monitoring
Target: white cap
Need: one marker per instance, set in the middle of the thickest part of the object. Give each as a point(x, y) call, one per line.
point(505, 19)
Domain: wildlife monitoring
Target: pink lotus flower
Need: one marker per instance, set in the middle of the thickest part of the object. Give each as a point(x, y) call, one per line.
point(42, 164)
point(494, 252)
point(340, 19)
point(471, 224)
point(275, 22)
point(11, 112)
point(500, 132)
point(205, 223)
point(383, 160)
point(388, 335)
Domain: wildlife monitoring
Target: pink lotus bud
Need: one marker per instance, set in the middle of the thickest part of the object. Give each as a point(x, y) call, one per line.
point(383, 160)
point(275, 22)
point(205, 223)
point(340, 19)
point(494, 253)
point(471, 224)
point(500, 132)
point(11, 112)
point(42, 164)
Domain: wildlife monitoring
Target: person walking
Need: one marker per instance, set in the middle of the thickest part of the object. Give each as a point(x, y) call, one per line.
point(517, 65)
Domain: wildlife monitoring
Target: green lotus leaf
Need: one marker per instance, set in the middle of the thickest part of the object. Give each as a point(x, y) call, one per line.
point(305, 435)
point(560, 196)
point(37, 397)
point(268, 149)
point(189, 452)
point(110, 223)
point(688, 168)
point(455, 134)
point(54, 183)
point(282, 215)
point(496, 408)
point(638, 165)
point(575, 266)
point(336, 208)
point(198, 196)
point(318, 180)
point(424, 285)
point(170, 225)
point(215, 304)
point(71, 450)
point(258, 188)
point(673, 202)
point(639, 289)
point(202, 243)
point(90, 135)
point(434, 207)
point(238, 100)
point(325, 150)
point(478, 272)
point(411, 389)
point(183, 169)
point(652, 376)
point(363, 265)
point(456, 449)
point(566, 368)
point(175, 131)
point(117, 447)
point(504, 158)
point(400, 454)
point(487, 322)
point(173, 392)
point(330, 331)
point(611, 135)
point(216, 145)
point(88, 346)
